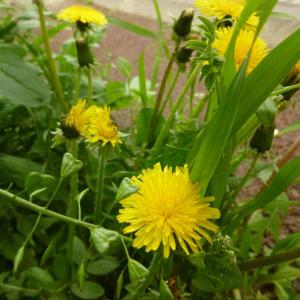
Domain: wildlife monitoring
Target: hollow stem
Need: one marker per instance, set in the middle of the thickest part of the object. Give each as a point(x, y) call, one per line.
point(51, 63)
point(159, 98)
point(43, 210)
point(170, 92)
point(72, 147)
point(286, 89)
point(246, 177)
point(77, 85)
point(167, 125)
point(90, 86)
point(100, 184)
point(270, 260)
point(38, 219)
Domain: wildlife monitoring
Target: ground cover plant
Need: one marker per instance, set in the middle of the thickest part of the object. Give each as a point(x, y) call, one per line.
point(90, 210)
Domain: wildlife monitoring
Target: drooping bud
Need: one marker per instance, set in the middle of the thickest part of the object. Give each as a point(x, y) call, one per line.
point(183, 25)
point(263, 138)
point(84, 54)
point(183, 55)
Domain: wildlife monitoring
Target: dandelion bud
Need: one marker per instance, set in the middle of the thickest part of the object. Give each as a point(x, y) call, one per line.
point(262, 139)
point(183, 55)
point(183, 25)
point(84, 54)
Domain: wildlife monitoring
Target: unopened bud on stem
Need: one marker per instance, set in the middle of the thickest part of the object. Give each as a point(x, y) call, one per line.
point(183, 25)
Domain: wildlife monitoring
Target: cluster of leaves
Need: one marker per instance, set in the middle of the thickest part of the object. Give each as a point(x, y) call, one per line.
point(99, 263)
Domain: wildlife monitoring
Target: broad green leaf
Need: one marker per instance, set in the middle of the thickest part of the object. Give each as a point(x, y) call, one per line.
point(136, 270)
point(41, 278)
point(126, 189)
point(61, 268)
point(35, 181)
point(91, 290)
point(132, 27)
point(208, 148)
point(80, 250)
point(20, 82)
point(288, 243)
point(15, 169)
point(103, 238)
point(103, 266)
point(69, 165)
point(164, 291)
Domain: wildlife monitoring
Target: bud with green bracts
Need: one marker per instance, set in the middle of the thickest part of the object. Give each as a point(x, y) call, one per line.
point(84, 54)
point(262, 139)
point(183, 25)
point(183, 55)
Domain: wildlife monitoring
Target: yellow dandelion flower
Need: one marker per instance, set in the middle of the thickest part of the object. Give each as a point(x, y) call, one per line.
point(225, 8)
point(242, 47)
point(83, 14)
point(102, 128)
point(167, 208)
point(76, 120)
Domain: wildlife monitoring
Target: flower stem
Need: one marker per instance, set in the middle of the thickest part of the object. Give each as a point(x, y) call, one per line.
point(72, 205)
point(246, 177)
point(51, 63)
point(43, 210)
point(50, 213)
point(144, 283)
point(77, 85)
point(29, 236)
point(159, 98)
point(167, 125)
point(100, 184)
point(171, 89)
point(90, 86)
point(270, 260)
point(286, 89)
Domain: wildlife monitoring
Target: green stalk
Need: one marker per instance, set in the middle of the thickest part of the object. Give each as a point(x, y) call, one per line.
point(270, 260)
point(200, 105)
point(167, 125)
point(144, 283)
point(51, 63)
point(158, 101)
point(43, 210)
point(192, 95)
point(77, 85)
point(171, 89)
point(47, 212)
point(90, 87)
point(246, 177)
point(29, 236)
point(100, 184)
point(72, 205)
point(286, 89)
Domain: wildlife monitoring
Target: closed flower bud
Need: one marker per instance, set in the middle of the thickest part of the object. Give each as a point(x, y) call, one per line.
point(183, 25)
point(262, 139)
point(84, 54)
point(183, 55)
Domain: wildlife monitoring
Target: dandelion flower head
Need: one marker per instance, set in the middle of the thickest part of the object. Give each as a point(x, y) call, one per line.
point(102, 128)
point(242, 47)
point(167, 210)
point(78, 118)
point(221, 9)
point(83, 14)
